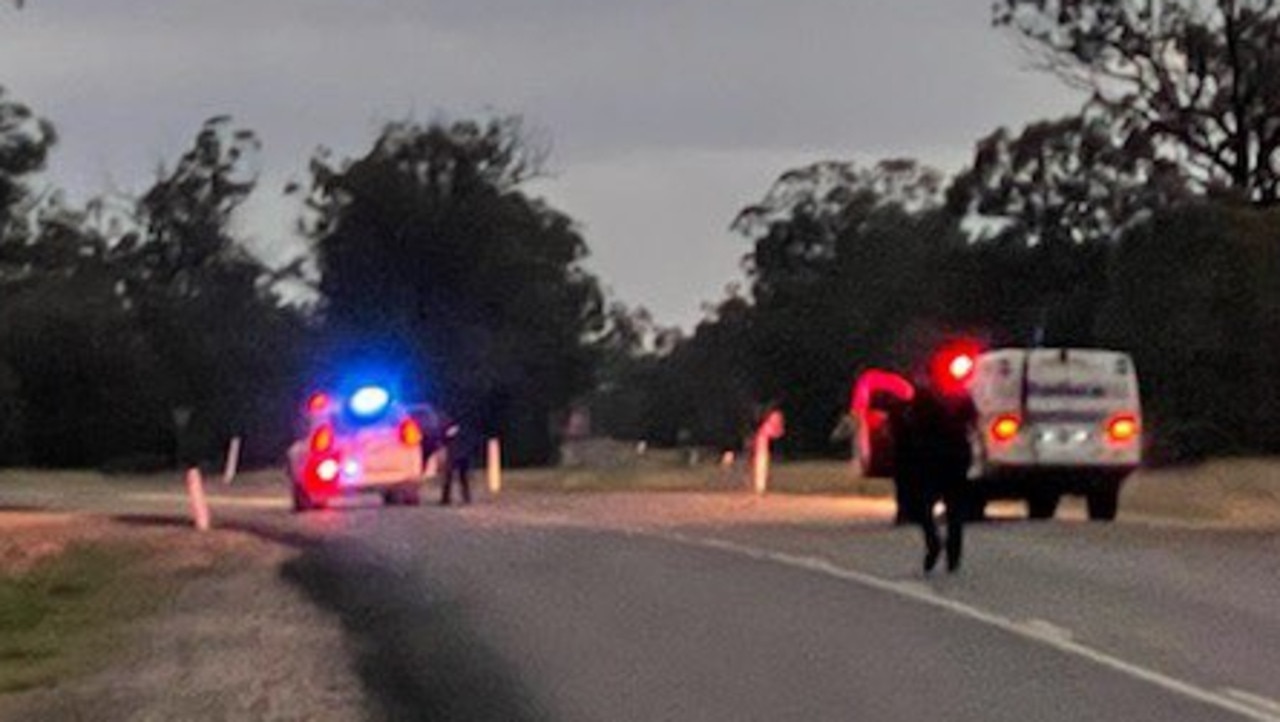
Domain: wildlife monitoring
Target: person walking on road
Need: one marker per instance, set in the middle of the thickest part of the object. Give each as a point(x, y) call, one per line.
point(457, 463)
point(933, 457)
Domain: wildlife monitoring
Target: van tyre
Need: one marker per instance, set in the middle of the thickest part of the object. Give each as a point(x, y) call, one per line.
point(1043, 505)
point(1103, 500)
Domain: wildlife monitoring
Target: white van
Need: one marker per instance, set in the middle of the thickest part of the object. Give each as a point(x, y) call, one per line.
point(1054, 422)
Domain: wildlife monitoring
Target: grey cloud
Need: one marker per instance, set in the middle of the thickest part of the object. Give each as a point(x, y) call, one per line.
point(625, 89)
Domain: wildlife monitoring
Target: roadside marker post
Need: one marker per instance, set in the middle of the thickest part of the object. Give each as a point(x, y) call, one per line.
point(233, 461)
point(199, 505)
point(493, 466)
point(771, 427)
point(760, 465)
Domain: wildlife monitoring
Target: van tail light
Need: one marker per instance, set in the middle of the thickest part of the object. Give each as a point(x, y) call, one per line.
point(322, 439)
point(1122, 428)
point(1005, 427)
point(410, 432)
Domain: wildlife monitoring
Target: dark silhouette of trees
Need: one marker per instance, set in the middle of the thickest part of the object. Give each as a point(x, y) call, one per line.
point(430, 252)
point(117, 314)
point(1200, 81)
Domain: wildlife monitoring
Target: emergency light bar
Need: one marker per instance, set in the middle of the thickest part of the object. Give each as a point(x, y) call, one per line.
point(369, 401)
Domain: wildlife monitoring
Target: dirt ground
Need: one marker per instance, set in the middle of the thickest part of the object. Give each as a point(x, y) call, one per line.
point(234, 641)
point(1224, 492)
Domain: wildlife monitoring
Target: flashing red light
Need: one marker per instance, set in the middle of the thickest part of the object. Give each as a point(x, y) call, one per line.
point(328, 470)
point(318, 403)
point(953, 365)
point(961, 366)
point(1005, 427)
point(322, 439)
point(410, 432)
point(1122, 428)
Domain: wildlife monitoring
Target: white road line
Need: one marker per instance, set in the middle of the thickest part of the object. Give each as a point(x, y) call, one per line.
point(1234, 701)
point(1043, 628)
point(1258, 701)
point(248, 502)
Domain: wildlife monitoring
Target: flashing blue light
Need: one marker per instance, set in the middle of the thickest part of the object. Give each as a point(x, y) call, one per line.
point(369, 401)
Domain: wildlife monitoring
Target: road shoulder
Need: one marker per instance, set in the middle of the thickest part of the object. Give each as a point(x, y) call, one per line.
point(230, 639)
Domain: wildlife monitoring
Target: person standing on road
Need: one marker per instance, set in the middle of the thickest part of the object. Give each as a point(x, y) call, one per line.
point(933, 457)
point(457, 463)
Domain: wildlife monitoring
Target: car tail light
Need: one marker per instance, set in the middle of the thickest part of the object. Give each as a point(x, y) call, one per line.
point(410, 432)
point(322, 439)
point(318, 403)
point(1005, 427)
point(328, 470)
point(1122, 428)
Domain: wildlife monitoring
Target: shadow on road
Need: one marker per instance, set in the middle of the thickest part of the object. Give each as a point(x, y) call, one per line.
point(24, 508)
point(417, 656)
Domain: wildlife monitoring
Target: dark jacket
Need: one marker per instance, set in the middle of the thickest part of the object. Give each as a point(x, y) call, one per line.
point(932, 435)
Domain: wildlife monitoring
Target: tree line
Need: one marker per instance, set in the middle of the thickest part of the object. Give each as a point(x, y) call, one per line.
point(137, 330)
point(1146, 222)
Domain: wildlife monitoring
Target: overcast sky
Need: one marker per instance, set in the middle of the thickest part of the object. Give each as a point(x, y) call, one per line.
point(666, 116)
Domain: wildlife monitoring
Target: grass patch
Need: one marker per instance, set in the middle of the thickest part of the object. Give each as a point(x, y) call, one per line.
point(66, 615)
point(806, 477)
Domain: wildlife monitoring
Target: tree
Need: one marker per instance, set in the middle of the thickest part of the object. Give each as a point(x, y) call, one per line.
point(1044, 207)
point(1063, 182)
point(1200, 79)
point(845, 259)
point(232, 348)
point(1192, 295)
point(119, 312)
point(25, 141)
point(429, 250)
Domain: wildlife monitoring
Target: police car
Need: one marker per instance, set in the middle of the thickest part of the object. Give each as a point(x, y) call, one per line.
point(1050, 422)
point(361, 442)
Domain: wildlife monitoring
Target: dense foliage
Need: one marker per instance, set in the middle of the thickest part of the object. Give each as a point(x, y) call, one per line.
point(135, 330)
point(432, 259)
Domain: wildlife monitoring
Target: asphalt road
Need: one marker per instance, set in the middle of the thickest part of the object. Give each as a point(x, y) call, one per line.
point(678, 607)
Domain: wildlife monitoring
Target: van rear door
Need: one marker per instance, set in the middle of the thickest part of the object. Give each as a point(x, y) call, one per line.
point(1071, 396)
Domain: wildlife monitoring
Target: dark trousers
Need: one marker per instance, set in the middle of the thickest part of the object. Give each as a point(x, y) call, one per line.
point(460, 469)
point(955, 504)
point(947, 486)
